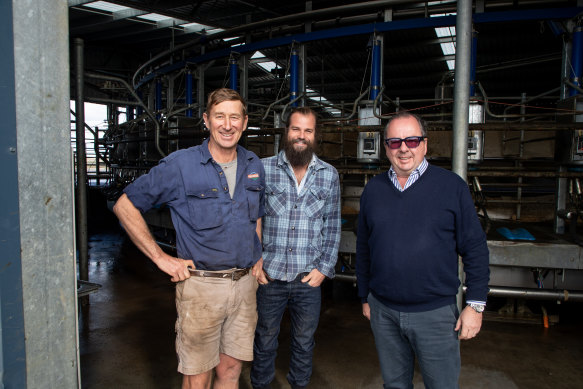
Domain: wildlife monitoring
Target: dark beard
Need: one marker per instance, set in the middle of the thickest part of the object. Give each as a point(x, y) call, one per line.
point(298, 158)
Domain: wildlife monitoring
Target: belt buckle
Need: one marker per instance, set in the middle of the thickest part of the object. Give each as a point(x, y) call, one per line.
point(238, 274)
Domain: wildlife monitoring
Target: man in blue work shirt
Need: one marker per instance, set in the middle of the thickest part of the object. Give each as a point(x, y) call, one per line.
point(301, 234)
point(413, 223)
point(215, 195)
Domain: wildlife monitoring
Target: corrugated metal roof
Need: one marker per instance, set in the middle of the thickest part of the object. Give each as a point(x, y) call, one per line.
point(512, 56)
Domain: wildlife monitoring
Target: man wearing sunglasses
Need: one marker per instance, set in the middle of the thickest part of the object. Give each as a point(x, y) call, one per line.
point(414, 222)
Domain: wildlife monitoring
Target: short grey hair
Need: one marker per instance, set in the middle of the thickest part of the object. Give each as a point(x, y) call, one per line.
point(406, 114)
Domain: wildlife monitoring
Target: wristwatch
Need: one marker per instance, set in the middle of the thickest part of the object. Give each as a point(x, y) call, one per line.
point(477, 307)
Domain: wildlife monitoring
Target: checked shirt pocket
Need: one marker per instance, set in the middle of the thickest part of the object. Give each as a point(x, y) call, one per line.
point(275, 200)
point(315, 201)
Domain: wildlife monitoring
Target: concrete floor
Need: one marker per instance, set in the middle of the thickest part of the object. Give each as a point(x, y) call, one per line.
point(127, 336)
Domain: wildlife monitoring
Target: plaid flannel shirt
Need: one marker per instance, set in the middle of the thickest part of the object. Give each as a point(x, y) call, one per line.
point(301, 231)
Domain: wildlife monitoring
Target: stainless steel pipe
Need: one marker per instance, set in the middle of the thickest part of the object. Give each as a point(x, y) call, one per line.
point(506, 291)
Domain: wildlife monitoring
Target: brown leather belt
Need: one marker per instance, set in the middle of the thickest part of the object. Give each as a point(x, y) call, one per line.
point(233, 275)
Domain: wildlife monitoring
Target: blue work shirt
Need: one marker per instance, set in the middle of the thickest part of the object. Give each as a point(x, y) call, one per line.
point(212, 229)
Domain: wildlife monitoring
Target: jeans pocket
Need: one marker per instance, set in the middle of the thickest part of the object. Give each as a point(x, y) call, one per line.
point(307, 284)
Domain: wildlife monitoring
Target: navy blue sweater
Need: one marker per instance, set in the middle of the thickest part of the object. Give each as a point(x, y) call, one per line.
point(408, 242)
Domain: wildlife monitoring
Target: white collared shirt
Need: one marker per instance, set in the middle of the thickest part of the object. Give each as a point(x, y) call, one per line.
point(414, 176)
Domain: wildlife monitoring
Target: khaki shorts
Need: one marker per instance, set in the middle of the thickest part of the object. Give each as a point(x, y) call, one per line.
point(214, 316)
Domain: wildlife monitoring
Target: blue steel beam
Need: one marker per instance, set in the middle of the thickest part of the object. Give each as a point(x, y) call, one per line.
point(375, 74)
point(576, 59)
point(12, 345)
point(441, 21)
point(528, 14)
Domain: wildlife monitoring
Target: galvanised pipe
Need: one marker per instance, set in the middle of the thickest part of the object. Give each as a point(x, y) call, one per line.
point(139, 109)
point(538, 14)
point(574, 86)
point(565, 67)
point(278, 21)
point(234, 73)
point(271, 106)
point(376, 103)
point(501, 291)
point(184, 109)
point(102, 100)
point(461, 99)
point(158, 97)
point(563, 174)
point(95, 135)
point(189, 93)
point(293, 103)
point(354, 106)
point(536, 294)
point(293, 77)
point(473, 64)
point(576, 59)
point(462, 88)
point(544, 94)
point(140, 102)
point(517, 115)
point(375, 73)
point(81, 190)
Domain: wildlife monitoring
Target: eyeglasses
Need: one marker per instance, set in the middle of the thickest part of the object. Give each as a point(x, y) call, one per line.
point(410, 141)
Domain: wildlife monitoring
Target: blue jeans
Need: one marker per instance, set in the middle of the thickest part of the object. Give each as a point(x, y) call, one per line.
point(303, 302)
point(429, 336)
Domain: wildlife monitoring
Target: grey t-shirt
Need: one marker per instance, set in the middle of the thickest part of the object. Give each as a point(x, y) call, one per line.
point(230, 169)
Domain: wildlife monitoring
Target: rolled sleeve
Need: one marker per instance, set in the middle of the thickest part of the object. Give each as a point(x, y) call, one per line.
point(158, 186)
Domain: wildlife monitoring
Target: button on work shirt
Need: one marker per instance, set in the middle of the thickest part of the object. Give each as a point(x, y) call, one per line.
point(212, 229)
point(301, 230)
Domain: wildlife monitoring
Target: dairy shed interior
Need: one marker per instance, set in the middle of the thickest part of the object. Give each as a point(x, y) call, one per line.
point(498, 83)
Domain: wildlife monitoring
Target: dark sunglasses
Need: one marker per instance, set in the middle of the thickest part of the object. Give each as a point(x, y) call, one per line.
point(410, 141)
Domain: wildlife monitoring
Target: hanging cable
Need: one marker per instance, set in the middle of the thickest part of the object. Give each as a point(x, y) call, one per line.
point(365, 69)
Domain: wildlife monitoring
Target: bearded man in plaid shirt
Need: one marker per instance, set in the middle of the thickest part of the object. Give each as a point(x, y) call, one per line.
point(301, 234)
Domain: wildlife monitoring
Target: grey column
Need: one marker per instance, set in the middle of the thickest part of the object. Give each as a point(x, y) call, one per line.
point(461, 92)
point(461, 97)
point(45, 193)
